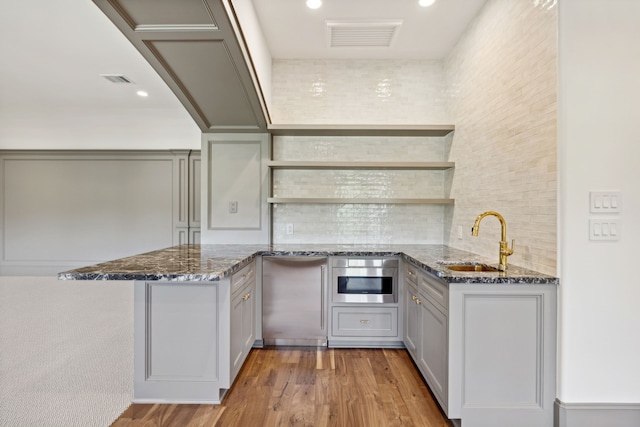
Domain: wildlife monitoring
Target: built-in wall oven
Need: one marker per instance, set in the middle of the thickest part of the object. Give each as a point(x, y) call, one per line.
point(364, 280)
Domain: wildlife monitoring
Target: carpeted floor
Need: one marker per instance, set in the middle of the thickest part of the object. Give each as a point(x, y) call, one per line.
point(66, 352)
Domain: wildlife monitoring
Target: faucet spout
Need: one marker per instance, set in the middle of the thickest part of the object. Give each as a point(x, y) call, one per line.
point(505, 251)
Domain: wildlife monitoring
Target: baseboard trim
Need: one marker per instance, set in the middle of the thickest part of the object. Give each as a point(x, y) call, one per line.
point(596, 414)
point(44, 268)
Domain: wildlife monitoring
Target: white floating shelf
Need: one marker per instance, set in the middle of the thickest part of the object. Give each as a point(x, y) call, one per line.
point(360, 130)
point(311, 200)
point(275, 164)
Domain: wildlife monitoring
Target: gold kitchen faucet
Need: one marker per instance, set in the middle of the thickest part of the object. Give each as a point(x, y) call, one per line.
point(504, 246)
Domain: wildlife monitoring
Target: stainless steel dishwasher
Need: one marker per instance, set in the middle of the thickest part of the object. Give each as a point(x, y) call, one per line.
point(294, 299)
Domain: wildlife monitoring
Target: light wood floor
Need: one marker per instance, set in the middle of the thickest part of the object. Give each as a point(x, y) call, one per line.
point(305, 386)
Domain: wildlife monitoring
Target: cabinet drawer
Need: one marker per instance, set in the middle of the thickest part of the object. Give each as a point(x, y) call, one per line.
point(435, 289)
point(410, 273)
point(242, 277)
point(365, 321)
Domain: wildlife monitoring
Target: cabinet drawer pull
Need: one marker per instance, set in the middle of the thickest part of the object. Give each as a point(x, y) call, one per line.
point(365, 321)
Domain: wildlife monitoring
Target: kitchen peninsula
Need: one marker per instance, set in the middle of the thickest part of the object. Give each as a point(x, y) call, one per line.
point(483, 341)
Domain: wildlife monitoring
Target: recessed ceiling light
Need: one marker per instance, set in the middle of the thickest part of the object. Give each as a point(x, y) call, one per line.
point(142, 93)
point(426, 3)
point(314, 4)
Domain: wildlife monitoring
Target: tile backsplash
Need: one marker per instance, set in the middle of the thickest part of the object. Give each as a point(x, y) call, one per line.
point(497, 86)
point(359, 223)
point(358, 91)
point(354, 148)
point(502, 82)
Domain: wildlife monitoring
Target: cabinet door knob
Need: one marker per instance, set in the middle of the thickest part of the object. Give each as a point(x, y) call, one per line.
point(246, 296)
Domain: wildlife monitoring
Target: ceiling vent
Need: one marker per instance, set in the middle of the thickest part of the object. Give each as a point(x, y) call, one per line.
point(117, 78)
point(380, 33)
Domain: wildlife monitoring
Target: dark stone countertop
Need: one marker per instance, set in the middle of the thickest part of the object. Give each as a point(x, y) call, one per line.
point(214, 262)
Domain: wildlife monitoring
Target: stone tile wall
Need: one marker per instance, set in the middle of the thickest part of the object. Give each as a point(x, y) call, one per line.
point(498, 86)
point(358, 92)
point(359, 223)
point(501, 79)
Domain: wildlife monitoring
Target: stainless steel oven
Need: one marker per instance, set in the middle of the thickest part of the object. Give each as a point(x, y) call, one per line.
point(365, 280)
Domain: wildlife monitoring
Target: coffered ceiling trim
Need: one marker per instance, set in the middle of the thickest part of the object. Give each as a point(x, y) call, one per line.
point(198, 56)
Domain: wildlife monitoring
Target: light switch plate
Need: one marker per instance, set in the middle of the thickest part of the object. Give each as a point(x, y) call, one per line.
point(604, 229)
point(605, 202)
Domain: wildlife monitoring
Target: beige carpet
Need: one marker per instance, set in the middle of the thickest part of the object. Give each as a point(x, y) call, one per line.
point(66, 352)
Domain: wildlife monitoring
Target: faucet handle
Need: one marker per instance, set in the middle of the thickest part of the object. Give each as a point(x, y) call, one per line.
point(513, 244)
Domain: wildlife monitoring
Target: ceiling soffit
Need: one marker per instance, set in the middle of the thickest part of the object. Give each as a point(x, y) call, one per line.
point(192, 46)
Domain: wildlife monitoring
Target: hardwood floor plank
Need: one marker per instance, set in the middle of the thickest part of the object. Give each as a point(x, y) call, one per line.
point(206, 415)
point(305, 369)
point(309, 387)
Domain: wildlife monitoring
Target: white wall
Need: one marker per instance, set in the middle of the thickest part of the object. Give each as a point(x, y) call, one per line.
point(257, 45)
point(599, 128)
point(61, 210)
point(53, 98)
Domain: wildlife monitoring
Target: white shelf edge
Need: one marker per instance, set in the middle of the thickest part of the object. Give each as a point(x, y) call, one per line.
point(360, 130)
point(320, 200)
point(281, 164)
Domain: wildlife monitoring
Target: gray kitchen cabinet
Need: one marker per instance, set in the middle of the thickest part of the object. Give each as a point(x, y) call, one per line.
point(411, 311)
point(364, 322)
point(486, 350)
point(192, 337)
point(426, 331)
point(502, 354)
point(432, 352)
point(243, 316)
point(177, 341)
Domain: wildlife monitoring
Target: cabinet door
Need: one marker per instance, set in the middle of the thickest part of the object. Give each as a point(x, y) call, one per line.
point(412, 319)
point(243, 325)
point(433, 349)
point(237, 341)
point(248, 333)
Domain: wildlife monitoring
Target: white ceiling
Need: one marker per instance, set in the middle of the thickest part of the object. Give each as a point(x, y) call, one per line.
point(51, 94)
point(293, 30)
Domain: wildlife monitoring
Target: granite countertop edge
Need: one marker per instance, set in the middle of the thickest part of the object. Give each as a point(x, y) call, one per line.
point(210, 263)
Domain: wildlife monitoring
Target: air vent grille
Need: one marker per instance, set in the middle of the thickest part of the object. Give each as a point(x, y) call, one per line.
point(362, 33)
point(117, 78)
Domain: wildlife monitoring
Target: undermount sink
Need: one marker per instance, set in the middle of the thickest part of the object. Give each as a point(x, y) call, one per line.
point(471, 267)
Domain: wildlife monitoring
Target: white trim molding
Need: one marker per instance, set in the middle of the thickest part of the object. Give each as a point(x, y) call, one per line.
point(596, 414)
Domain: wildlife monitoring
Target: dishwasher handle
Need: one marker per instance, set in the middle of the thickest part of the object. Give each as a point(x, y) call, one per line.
point(293, 260)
